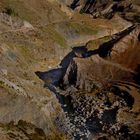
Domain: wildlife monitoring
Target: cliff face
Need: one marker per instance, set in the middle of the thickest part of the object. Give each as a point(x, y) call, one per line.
point(90, 6)
point(107, 8)
point(98, 87)
point(112, 61)
point(27, 42)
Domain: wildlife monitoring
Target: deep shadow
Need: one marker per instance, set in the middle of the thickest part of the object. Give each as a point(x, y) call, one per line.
point(93, 124)
point(109, 116)
point(139, 37)
point(106, 48)
point(78, 51)
point(137, 75)
point(117, 8)
point(53, 76)
point(123, 94)
point(74, 4)
point(88, 5)
point(67, 59)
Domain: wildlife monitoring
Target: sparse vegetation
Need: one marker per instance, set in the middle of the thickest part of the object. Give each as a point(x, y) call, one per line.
point(1, 83)
point(81, 28)
point(137, 18)
point(94, 44)
point(35, 35)
point(54, 35)
point(9, 11)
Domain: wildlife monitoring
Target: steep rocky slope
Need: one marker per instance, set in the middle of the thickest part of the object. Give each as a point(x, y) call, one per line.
point(129, 9)
point(98, 88)
point(35, 36)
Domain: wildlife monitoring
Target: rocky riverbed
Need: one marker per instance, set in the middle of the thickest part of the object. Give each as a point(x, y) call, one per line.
point(69, 69)
point(99, 93)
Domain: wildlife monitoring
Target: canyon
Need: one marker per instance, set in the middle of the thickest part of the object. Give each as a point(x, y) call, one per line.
point(69, 70)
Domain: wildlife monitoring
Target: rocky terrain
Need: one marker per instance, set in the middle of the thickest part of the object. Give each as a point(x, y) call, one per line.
point(69, 70)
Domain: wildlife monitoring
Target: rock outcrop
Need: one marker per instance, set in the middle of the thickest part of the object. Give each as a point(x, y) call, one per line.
point(22, 130)
point(93, 93)
point(99, 88)
point(107, 8)
point(106, 63)
point(107, 88)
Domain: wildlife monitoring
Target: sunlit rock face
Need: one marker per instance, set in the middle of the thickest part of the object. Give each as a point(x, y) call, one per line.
point(100, 87)
point(69, 70)
point(116, 60)
point(108, 8)
point(128, 47)
point(109, 76)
